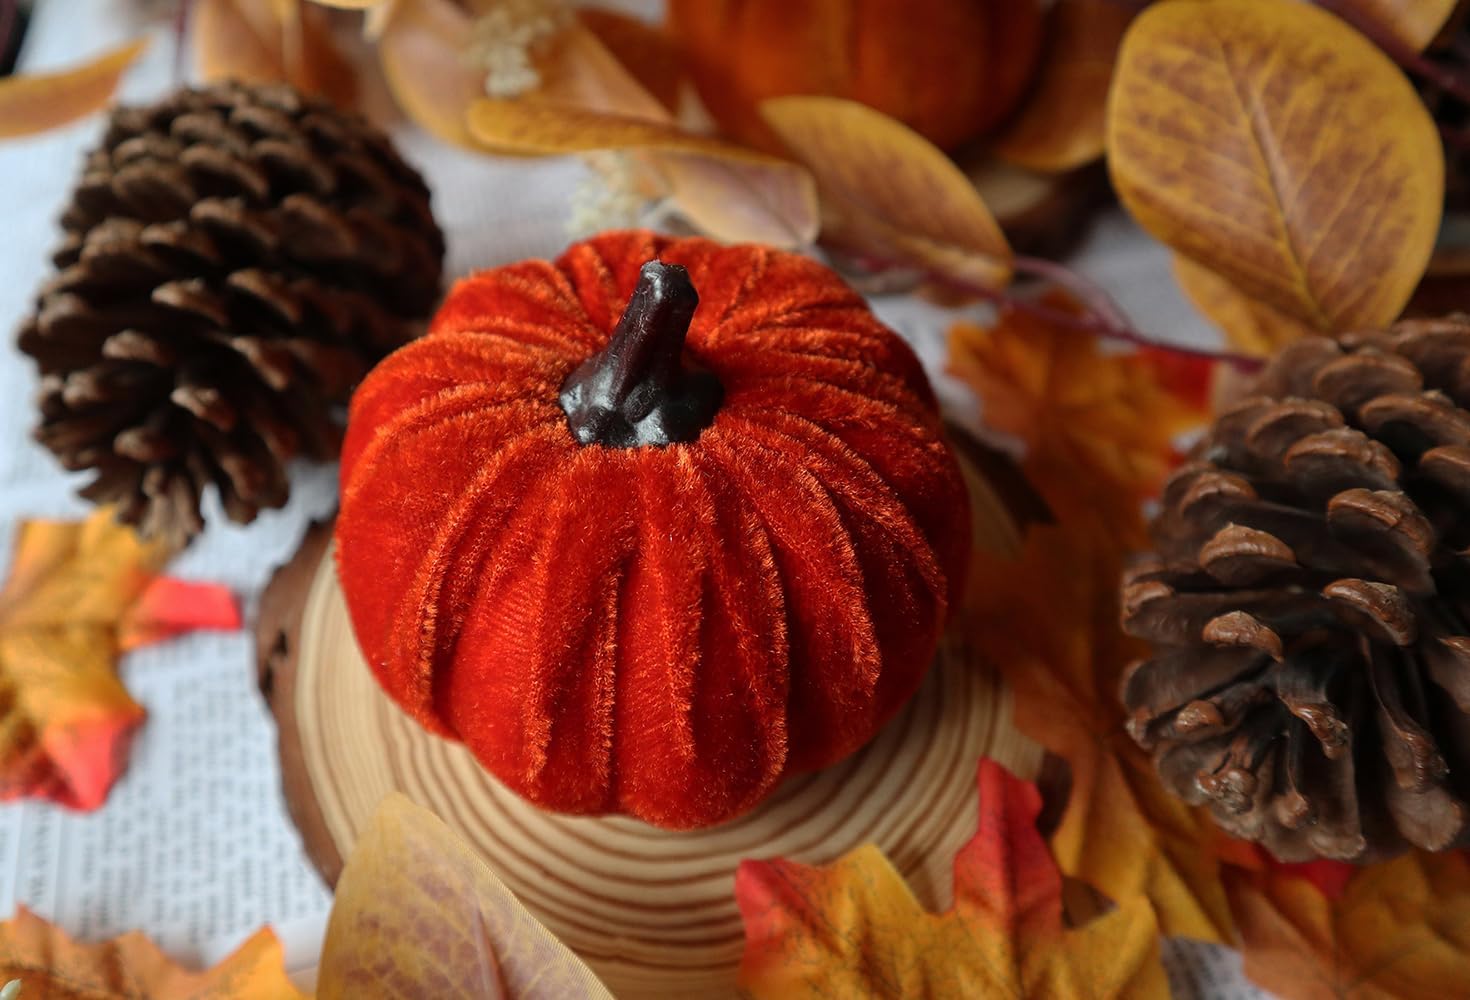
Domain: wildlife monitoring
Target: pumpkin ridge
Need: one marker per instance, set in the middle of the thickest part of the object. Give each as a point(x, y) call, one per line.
point(867, 493)
point(519, 290)
point(828, 584)
point(410, 423)
point(717, 481)
point(568, 629)
point(898, 409)
point(446, 560)
point(512, 631)
point(417, 612)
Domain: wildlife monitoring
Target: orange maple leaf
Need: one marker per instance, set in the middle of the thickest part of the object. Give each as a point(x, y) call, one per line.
point(1048, 620)
point(1098, 428)
point(1399, 930)
point(51, 966)
point(853, 928)
point(79, 593)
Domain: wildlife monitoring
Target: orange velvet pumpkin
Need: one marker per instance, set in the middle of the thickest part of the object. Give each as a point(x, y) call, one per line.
point(949, 69)
point(643, 570)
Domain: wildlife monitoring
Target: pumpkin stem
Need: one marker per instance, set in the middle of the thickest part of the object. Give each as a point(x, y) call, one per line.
point(639, 390)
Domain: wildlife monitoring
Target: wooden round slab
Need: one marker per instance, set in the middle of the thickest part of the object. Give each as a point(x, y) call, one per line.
point(652, 911)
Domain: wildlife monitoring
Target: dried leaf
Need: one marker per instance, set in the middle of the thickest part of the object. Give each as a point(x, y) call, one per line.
point(853, 928)
point(1400, 929)
point(420, 45)
point(1060, 127)
point(265, 41)
point(730, 192)
point(643, 49)
point(78, 594)
point(1250, 326)
point(1048, 620)
point(418, 914)
point(51, 966)
point(1411, 23)
point(1098, 429)
point(890, 191)
point(1272, 144)
point(40, 101)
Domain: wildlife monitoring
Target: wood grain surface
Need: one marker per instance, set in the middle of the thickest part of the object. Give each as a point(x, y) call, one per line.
point(652, 911)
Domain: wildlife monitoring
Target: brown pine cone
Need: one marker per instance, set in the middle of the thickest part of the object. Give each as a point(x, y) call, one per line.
point(1309, 603)
point(235, 259)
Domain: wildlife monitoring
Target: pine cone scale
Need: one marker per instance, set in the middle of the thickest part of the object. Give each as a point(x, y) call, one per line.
point(1307, 604)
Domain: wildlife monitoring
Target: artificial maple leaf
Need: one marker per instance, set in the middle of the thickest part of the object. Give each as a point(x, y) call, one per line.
point(51, 966)
point(1399, 930)
point(79, 593)
point(1098, 429)
point(853, 928)
point(1048, 620)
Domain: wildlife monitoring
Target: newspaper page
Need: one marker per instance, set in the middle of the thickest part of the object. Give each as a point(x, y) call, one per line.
point(194, 846)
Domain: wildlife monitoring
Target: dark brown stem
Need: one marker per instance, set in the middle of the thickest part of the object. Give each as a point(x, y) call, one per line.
point(639, 390)
point(1114, 327)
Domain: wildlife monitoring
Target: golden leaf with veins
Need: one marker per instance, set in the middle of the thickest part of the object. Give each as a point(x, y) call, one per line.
point(36, 102)
point(418, 914)
point(888, 191)
point(1274, 145)
point(1250, 325)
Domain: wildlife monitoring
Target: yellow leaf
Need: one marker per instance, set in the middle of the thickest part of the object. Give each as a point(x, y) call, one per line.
point(40, 101)
point(853, 928)
point(1048, 620)
point(1060, 127)
point(418, 914)
point(1274, 145)
point(892, 192)
point(421, 47)
point(1399, 931)
point(730, 192)
point(1411, 23)
point(51, 966)
point(1251, 327)
point(267, 41)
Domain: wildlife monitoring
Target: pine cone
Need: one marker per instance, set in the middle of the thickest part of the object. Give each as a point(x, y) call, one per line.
point(1309, 603)
point(235, 259)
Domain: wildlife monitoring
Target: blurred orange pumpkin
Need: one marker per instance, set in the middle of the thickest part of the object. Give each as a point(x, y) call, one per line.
point(949, 69)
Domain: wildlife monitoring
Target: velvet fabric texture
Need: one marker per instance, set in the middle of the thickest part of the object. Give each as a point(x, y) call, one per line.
point(949, 69)
point(659, 631)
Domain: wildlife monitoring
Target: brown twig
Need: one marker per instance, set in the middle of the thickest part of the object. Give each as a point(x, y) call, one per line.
point(1102, 316)
point(181, 34)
